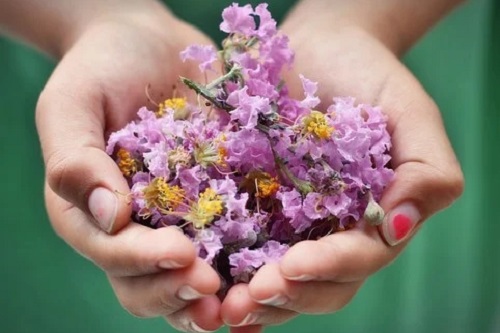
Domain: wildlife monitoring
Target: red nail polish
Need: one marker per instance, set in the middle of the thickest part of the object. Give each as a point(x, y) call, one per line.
point(402, 225)
point(399, 223)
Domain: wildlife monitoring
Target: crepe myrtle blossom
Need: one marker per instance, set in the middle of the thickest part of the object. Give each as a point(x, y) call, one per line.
point(247, 171)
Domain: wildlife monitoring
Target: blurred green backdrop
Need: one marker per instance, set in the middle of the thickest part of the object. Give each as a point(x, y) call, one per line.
point(446, 281)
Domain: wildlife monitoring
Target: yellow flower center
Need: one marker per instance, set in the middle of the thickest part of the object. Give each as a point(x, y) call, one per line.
point(316, 125)
point(208, 153)
point(176, 104)
point(222, 154)
point(267, 186)
point(161, 195)
point(126, 163)
point(261, 184)
point(203, 212)
point(179, 155)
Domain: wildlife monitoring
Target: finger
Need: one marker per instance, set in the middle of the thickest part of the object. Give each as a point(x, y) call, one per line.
point(202, 315)
point(302, 297)
point(240, 310)
point(71, 123)
point(165, 293)
point(134, 250)
point(341, 257)
point(247, 329)
point(428, 177)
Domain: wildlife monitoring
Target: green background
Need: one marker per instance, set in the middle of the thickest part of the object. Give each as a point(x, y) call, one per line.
point(446, 281)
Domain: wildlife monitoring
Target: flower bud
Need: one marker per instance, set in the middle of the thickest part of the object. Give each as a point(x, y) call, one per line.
point(374, 214)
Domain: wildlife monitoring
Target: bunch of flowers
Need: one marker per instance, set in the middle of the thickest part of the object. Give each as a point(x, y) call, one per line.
point(248, 171)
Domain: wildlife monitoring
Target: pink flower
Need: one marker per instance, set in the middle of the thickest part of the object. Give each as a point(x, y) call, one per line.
point(238, 19)
point(204, 54)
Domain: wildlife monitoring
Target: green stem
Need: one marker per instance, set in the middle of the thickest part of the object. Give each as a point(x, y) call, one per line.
point(206, 93)
point(303, 186)
point(234, 72)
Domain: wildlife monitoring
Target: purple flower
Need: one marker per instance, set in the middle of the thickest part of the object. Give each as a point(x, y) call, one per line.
point(247, 169)
point(208, 244)
point(238, 19)
point(248, 107)
point(291, 202)
point(267, 25)
point(157, 160)
point(310, 89)
point(204, 54)
point(247, 261)
point(313, 206)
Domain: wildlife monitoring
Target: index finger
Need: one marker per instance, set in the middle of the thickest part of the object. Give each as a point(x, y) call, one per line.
point(346, 256)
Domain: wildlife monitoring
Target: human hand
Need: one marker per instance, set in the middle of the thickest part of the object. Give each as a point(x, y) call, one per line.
point(323, 276)
point(96, 89)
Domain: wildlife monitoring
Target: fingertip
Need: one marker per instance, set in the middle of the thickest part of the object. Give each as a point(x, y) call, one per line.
point(236, 306)
point(399, 224)
point(206, 314)
point(88, 178)
point(104, 206)
point(263, 292)
point(197, 280)
point(199, 316)
point(247, 329)
point(299, 262)
point(178, 250)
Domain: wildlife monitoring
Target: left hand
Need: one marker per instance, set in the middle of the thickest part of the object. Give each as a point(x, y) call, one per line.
point(96, 89)
point(323, 276)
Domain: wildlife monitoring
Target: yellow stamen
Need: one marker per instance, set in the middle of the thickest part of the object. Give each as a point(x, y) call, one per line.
point(203, 212)
point(161, 195)
point(316, 125)
point(222, 154)
point(267, 186)
point(178, 156)
point(261, 184)
point(209, 153)
point(176, 104)
point(126, 163)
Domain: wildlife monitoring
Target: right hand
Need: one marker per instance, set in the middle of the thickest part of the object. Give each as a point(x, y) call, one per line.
point(97, 88)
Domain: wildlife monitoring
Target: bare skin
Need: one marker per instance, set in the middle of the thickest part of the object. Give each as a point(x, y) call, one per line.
point(110, 52)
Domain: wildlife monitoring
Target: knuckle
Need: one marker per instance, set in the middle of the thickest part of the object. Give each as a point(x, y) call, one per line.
point(168, 304)
point(133, 307)
point(57, 165)
point(456, 184)
point(451, 184)
point(64, 175)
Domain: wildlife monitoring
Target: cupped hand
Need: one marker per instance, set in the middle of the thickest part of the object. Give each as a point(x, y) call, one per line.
point(97, 88)
point(323, 276)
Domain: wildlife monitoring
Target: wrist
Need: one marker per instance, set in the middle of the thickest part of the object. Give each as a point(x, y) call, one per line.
point(395, 23)
point(144, 14)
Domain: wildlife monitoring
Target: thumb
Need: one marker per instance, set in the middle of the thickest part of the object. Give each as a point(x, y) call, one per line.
point(71, 121)
point(428, 177)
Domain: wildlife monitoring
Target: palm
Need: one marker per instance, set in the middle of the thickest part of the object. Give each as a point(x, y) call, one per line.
point(97, 88)
point(115, 63)
point(353, 63)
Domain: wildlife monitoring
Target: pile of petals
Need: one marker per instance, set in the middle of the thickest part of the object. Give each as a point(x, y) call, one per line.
point(247, 171)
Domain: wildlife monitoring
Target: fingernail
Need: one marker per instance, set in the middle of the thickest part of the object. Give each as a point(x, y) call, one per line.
point(250, 319)
point(103, 206)
point(300, 278)
point(399, 223)
point(187, 293)
point(169, 264)
point(276, 300)
point(197, 328)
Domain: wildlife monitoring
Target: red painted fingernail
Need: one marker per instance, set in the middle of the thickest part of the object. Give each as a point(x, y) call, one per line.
point(399, 223)
point(402, 225)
